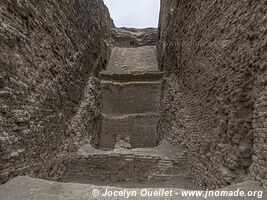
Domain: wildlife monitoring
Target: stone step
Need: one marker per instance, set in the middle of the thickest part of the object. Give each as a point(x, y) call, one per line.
point(131, 77)
point(130, 97)
point(164, 167)
point(163, 177)
point(140, 128)
point(119, 166)
point(165, 161)
point(165, 164)
point(133, 59)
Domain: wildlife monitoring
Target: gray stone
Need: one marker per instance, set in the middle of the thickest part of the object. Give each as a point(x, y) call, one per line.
point(49, 52)
point(215, 86)
point(131, 37)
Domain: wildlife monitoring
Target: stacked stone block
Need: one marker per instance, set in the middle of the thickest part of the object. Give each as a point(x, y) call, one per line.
point(131, 97)
point(123, 167)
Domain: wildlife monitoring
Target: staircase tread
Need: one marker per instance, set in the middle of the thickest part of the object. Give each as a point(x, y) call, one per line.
point(131, 77)
point(133, 59)
point(123, 116)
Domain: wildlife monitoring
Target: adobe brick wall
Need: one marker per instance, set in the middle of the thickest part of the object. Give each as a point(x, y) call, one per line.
point(51, 52)
point(117, 167)
point(214, 93)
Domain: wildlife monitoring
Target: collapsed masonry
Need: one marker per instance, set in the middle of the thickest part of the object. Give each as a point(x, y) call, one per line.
point(213, 96)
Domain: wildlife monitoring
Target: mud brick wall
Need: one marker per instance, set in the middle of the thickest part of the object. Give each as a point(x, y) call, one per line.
point(259, 167)
point(214, 94)
point(51, 53)
point(115, 167)
point(120, 167)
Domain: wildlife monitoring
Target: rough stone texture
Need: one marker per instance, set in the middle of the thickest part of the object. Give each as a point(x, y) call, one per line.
point(120, 165)
point(131, 37)
point(130, 87)
point(25, 188)
point(214, 93)
point(131, 97)
point(141, 129)
point(133, 59)
point(85, 126)
point(213, 97)
point(50, 53)
point(119, 168)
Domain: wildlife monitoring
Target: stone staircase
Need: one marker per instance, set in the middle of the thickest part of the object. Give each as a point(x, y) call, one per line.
point(165, 171)
point(131, 98)
point(129, 149)
point(138, 165)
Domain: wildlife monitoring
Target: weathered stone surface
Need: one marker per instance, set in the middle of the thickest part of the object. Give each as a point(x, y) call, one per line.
point(130, 109)
point(214, 96)
point(130, 88)
point(140, 128)
point(131, 37)
point(130, 97)
point(136, 165)
point(138, 59)
point(51, 51)
point(123, 76)
point(25, 188)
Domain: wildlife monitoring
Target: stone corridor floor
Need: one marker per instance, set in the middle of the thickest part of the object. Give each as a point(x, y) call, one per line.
point(171, 170)
point(26, 188)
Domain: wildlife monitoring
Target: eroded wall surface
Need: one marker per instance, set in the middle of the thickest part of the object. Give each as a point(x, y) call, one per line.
point(51, 53)
point(214, 99)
